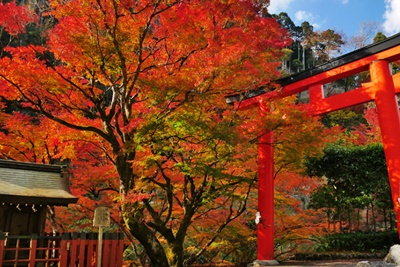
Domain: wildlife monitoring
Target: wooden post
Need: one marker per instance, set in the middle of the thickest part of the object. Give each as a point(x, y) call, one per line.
point(100, 247)
point(101, 218)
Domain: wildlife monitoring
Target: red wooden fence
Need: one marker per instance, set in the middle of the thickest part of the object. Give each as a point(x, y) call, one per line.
point(65, 250)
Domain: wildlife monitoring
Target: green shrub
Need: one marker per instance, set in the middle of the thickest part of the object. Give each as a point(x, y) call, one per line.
point(358, 241)
point(338, 256)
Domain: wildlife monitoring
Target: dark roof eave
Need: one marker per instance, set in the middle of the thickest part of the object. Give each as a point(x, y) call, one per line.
point(230, 99)
point(52, 201)
point(11, 164)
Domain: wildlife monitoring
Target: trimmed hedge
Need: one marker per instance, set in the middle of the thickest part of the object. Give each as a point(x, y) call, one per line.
point(358, 241)
point(319, 256)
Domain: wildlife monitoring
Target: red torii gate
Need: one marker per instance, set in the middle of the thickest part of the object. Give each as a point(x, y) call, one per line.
point(382, 89)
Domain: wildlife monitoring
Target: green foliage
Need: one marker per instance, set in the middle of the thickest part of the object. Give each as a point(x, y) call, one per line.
point(345, 118)
point(236, 245)
point(356, 178)
point(309, 48)
point(359, 163)
point(359, 242)
point(379, 37)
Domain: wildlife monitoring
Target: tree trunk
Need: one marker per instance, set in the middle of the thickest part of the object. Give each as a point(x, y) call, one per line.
point(384, 218)
point(373, 216)
point(391, 220)
point(125, 170)
point(149, 241)
point(298, 55)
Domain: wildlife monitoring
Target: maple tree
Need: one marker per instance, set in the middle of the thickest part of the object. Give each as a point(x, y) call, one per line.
point(130, 94)
point(297, 224)
point(369, 132)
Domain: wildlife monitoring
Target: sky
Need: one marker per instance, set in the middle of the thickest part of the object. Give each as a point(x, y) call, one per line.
point(343, 16)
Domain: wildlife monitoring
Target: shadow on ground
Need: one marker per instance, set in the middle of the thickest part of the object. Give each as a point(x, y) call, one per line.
point(336, 263)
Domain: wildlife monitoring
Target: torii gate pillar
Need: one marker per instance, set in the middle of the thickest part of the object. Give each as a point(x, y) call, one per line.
point(389, 122)
point(265, 234)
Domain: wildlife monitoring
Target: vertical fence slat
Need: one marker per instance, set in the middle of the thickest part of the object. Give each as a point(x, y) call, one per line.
point(51, 248)
point(120, 252)
point(82, 249)
point(91, 257)
point(2, 245)
point(113, 249)
point(17, 250)
point(64, 250)
point(33, 246)
point(74, 249)
point(57, 246)
point(105, 261)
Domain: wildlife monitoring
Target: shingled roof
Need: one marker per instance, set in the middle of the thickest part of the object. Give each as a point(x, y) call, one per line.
point(31, 183)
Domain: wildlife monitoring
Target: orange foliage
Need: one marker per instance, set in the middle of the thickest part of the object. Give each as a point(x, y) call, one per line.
point(366, 134)
point(14, 18)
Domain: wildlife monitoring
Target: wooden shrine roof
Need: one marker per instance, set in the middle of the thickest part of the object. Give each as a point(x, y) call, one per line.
point(32, 183)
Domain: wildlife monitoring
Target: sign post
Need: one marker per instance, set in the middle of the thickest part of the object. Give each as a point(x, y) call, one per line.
point(101, 218)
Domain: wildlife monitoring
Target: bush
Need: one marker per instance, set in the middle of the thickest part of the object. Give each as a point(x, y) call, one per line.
point(338, 256)
point(358, 241)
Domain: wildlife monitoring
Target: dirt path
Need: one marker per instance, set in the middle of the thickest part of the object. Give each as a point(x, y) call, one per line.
point(336, 263)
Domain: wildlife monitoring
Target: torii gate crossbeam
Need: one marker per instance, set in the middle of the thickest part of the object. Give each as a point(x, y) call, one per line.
point(382, 89)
